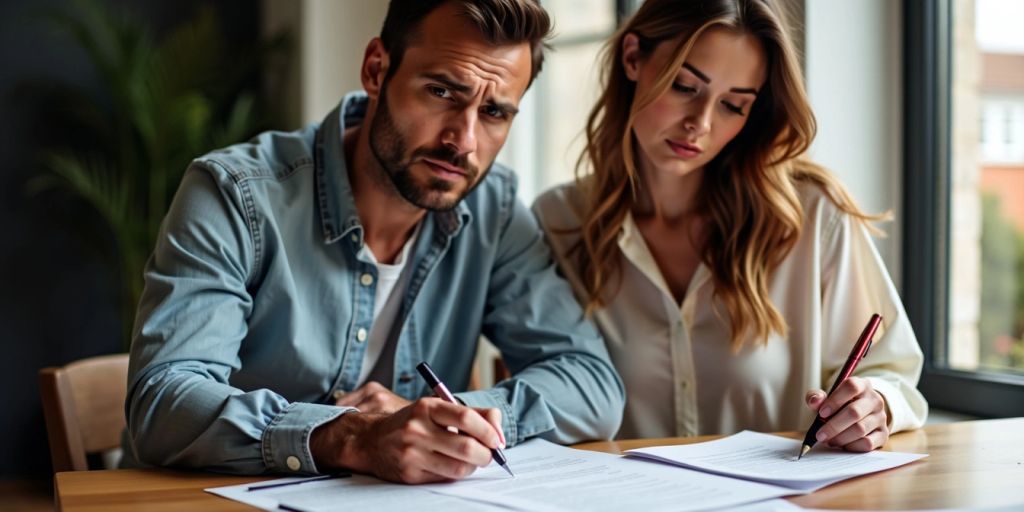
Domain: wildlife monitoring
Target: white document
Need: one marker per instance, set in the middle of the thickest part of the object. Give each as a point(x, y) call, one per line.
point(549, 477)
point(347, 494)
point(773, 460)
point(552, 477)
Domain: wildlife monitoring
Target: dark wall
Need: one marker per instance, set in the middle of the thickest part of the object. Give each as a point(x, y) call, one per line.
point(58, 294)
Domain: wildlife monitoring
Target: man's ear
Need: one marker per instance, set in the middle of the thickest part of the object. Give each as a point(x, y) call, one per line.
point(631, 56)
point(375, 67)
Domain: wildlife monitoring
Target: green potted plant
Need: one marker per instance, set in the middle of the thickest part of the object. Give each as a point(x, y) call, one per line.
point(164, 102)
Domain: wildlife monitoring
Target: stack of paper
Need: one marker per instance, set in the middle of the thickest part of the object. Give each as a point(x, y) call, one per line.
point(773, 460)
point(742, 469)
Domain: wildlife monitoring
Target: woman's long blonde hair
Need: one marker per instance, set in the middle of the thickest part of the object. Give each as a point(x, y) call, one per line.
point(748, 195)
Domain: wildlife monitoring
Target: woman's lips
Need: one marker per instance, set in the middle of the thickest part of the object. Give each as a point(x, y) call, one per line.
point(684, 149)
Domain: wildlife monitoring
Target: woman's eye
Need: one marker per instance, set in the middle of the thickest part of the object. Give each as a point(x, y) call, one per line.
point(686, 89)
point(733, 108)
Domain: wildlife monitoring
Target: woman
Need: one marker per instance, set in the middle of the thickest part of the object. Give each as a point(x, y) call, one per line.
point(729, 276)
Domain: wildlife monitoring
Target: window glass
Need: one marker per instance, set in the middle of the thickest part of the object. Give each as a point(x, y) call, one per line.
point(986, 324)
point(546, 137)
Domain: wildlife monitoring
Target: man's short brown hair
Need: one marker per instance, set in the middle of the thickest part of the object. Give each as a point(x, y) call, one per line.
point(501, 22)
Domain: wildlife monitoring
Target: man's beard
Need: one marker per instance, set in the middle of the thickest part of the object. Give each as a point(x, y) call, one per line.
point(389, 147)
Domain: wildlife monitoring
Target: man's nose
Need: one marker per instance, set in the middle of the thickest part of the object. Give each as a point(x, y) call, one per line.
point(460, 131)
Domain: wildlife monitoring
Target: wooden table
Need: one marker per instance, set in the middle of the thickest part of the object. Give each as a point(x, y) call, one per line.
point(970, 464)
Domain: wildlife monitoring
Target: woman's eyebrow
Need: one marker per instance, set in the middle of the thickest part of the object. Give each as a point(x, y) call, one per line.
point(700, 74)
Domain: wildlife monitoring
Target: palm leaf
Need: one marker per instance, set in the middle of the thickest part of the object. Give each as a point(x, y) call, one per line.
point(165, 102)
point(93, 179)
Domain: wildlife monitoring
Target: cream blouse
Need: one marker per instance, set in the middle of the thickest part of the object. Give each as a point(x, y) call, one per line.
point(681, 377)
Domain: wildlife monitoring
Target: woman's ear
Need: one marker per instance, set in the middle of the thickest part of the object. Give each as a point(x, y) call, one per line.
point(631, 56)
point(375, 67)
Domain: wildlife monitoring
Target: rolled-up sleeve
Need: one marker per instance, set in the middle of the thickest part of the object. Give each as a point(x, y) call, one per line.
point(564, 387)
point(190, 326)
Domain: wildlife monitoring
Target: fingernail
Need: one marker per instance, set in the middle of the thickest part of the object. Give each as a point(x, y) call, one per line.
point(825, 411)
point(822, 436)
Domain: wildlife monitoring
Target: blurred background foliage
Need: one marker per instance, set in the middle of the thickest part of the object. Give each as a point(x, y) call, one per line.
point(163, 101)
point(1001, 325)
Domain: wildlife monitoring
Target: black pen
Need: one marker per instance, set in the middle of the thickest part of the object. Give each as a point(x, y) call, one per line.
point(297, 482)
point(442, 392)
point(860, 349)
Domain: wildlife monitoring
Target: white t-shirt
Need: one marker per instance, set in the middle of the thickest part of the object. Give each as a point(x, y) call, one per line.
point(391, 281)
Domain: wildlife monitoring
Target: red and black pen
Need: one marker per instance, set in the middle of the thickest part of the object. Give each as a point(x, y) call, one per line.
point(860, 349)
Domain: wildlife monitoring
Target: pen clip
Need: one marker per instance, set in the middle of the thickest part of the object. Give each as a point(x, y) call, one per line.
point(867, 348)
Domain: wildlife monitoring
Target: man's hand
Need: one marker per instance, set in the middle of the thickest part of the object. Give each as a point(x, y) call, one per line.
point(373, 397)
point(411, 446)
point(855, 416)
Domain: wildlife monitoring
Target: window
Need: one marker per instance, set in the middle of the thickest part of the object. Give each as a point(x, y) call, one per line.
point(547, 136)
point(964, 201)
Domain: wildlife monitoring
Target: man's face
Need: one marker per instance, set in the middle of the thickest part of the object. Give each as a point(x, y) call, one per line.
point(441, 119)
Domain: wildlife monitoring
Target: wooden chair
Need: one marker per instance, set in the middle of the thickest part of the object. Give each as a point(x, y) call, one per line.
point(83, 403)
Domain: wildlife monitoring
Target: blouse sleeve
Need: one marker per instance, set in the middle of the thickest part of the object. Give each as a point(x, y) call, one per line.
point(855, 284)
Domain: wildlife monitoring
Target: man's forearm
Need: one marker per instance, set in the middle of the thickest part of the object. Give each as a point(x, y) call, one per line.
point(180, 416)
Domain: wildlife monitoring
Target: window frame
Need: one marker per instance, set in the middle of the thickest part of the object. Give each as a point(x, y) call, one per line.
point(926, 222)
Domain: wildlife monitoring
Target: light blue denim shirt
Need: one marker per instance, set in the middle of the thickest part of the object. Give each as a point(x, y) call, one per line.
point(254, 300)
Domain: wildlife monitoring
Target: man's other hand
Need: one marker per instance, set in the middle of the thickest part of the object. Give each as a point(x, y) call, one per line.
point(373, 397)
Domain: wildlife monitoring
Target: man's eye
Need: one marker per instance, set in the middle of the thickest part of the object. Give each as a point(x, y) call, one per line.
point(440, 92)
point(494, 112)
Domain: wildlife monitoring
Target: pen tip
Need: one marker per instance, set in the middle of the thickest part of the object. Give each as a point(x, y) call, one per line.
point(506, 468)
point(803, 451)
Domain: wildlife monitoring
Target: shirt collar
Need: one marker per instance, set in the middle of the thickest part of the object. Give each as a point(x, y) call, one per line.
point(633, 246)
point(338, 214)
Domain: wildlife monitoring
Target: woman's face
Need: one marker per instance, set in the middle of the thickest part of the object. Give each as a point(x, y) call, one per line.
point(707, 104)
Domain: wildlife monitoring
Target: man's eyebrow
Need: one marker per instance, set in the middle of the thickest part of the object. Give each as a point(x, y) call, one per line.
point(448, 82)
point(700, 74)
point(505, 107)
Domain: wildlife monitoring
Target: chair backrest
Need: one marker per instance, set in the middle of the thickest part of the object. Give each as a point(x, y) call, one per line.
point(83, 403)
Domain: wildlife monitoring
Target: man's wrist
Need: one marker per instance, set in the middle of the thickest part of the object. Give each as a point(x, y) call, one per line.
point(342, 443)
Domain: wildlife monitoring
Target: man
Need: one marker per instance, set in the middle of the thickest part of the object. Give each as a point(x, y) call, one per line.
point(295, 272)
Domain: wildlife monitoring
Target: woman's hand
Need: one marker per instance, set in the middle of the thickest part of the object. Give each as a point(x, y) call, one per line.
point(855, 416)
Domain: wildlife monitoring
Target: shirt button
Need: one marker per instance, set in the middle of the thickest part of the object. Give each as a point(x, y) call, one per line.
point(361, 334)
point(338, 394)
point(366, 279)
point(355, 237)
point(293, 463)
point(684, 384)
